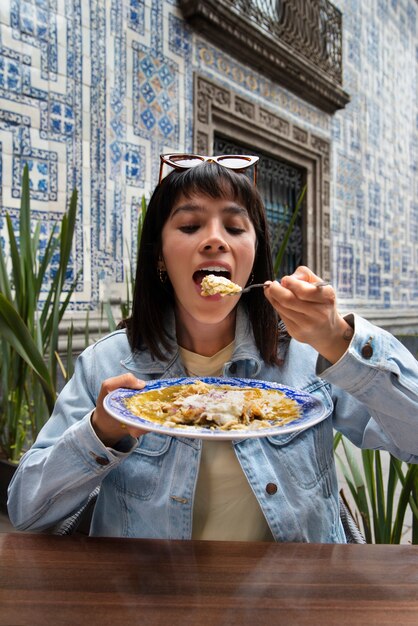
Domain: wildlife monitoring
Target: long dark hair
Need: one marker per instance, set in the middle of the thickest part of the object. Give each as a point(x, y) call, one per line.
point(152, 298)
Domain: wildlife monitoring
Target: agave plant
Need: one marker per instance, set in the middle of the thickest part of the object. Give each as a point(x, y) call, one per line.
point(383, 488)
point(381, 498)
point(33, 298)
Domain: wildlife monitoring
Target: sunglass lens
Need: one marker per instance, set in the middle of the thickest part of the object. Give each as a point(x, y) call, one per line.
point(185, 160)
point(234, 162)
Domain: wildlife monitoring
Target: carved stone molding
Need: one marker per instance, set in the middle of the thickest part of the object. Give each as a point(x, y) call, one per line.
point(219, 110)
point(282, 43)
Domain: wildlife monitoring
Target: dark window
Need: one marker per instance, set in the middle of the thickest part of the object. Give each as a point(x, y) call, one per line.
point(280, 185)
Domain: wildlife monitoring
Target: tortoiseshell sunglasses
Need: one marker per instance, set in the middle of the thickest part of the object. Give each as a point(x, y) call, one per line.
point(231, 161)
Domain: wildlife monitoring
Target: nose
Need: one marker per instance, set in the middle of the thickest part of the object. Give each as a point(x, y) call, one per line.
point(212, 246)
point(214, 242)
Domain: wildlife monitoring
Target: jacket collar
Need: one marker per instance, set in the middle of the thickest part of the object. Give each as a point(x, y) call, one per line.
point(245, 360)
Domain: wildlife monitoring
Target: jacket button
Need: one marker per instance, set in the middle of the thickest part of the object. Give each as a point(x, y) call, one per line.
point(271, 488)
point(367, 351)
point(102, 460)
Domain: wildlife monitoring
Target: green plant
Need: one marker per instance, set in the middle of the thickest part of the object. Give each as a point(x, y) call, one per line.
point(381, 498)
point(383, 488)
point(33, 298)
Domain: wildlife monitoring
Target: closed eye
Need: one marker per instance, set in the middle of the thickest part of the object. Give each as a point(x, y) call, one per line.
point(192, 228)
point(189, 228)
point(234, 230)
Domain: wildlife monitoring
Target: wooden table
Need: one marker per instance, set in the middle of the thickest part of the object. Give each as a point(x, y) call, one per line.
point(79, 580)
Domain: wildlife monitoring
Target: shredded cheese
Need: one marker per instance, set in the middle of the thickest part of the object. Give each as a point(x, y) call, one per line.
point(214, 406)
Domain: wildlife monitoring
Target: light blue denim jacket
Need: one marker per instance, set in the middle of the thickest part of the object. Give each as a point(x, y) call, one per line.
point(147, 486)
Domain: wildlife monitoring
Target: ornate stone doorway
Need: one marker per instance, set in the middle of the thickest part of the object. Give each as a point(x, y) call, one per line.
point(280, 185)
point(294, 155)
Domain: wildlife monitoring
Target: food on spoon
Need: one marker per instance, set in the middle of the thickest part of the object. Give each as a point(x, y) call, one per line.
point(220, 407)
point(212, 285)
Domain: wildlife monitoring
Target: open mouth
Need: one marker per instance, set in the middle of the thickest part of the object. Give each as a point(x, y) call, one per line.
point(199, 275)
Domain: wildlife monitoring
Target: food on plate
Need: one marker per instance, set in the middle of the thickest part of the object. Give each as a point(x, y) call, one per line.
point(212, 284)
point(223, 407)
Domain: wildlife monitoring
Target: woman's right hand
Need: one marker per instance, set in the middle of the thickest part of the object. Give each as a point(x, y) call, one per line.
point(310, 314)
point(106, 427)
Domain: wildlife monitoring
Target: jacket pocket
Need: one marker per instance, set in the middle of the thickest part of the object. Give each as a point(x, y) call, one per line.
point(307, 456)
point(141, 472)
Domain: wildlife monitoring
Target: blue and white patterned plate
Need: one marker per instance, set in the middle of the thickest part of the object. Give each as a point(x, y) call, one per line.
point(312, 410)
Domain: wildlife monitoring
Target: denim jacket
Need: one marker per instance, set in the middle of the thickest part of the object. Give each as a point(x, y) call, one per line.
point(147, 485)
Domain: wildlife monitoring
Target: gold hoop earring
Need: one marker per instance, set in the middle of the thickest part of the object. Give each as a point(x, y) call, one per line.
point(162, 275)
point(250, 280)
point(162, 272)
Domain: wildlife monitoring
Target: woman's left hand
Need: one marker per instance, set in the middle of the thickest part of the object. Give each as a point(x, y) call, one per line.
point(310, 313)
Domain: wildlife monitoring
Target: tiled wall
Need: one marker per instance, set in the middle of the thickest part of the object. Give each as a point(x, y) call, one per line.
point(375, 142)
point(92, 91)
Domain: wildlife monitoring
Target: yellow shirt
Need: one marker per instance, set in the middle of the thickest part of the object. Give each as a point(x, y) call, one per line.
point(225, 507)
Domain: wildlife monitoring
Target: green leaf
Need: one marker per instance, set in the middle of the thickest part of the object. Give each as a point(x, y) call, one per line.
point(368, 458)
point(380, 497)
point(70, 360)
point(25, 222)
point(282, 249)
point(54, 309)
point(109, 315)
point(5, 286)
point(67, 232)
point(27, 253)
point(392, 482)
point(358, 488)
point(87, 329)
point(15, 332)
point(414, 499)
point(337, 440)
point(408, 485)
point(49, 251)
point(17, 276)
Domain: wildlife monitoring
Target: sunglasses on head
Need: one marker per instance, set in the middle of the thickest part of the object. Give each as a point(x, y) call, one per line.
point(231, 161)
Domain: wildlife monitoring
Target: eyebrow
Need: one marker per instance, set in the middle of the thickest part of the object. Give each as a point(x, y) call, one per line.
point(190, 207)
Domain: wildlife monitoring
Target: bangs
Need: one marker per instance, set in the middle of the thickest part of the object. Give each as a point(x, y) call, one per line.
point(213, 180)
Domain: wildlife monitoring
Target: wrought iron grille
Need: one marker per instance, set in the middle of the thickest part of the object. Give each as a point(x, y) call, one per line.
point(313, 28)
point(280, 185)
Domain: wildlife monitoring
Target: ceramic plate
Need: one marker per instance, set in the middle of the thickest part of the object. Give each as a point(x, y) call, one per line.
point(312, 410)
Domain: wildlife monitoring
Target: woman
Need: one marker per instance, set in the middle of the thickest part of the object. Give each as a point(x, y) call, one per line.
point(207, 217)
